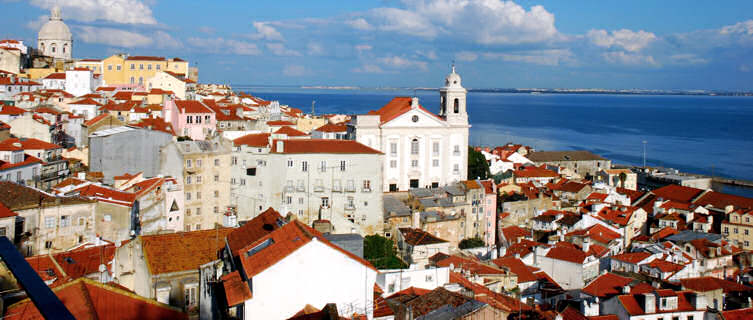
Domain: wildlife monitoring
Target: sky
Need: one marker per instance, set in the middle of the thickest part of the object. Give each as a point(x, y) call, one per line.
point(644, 44)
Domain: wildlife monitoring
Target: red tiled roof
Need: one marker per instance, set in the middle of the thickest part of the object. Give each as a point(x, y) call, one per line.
point(95, 119)
point(28, 144)
point(597, 196)
point(602, 234)
point(517, 267)
point(86, 101)
point(412, 291)
point(5, 212)
point(4, 126)
point(105, 194)
point(663, 233)
point(192, 106)
point(704, 284)
point(253, 140)
point(607, 285)
point(283, 242)
point(146, 58)
point(182, 251)
point(88, 299)
point(322, 146)
point(255, 229)
point(631, 305)
point(484, 294)
point(418, 237)
point(27, 161)
point(722, 200)
point(396, 107)
point(236, 291)
point(739, 314)
point(677, 193)
point(571, 313)
point(567, 254)
point(512, 233)
point(290, 132)
point(632, 194)
point(619, 215)
point(632, 258)
point(473, 266)
point(330, 127)
point(157, 124)
point(11, 110)
point(56, 76)
point(665, 266)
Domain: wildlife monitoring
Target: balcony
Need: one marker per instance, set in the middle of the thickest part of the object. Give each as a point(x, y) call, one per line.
point(319, 189)
point(337, 189)
point(350, 206)
point(366, 190)
point(300, 188)
point(350, 189)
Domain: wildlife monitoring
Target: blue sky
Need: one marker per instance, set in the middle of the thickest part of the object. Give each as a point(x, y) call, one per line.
point(553, 44)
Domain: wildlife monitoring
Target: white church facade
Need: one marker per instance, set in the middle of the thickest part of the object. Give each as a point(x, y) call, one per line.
point(55, 39)
point(421, 148)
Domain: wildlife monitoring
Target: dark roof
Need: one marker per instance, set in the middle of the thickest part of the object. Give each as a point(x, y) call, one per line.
point(550, 156)
point(417, 237)
point(17, 197)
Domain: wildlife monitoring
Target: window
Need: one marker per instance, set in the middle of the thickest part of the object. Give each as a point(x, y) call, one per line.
point(243, 182)
point(393, 163)
point(198, 179)
point(232, 181)
point(304, 166)
point(81, 221)
point(198, 195)
point(48, 244)
point(133, 66)
point(108, 218)
point(393, 149)
point(393, 187)
point(198, 119)
point(435, 148)
point(141, 80)
point(735, 230)
point(435, 163)
point(414, 163)
point(190, 292)
point(251, 171)
point(216, 162)
point(414, 146)
point(49, 222)
point(65, 221)
point(350, 203)
point(456, 168)
point(198, 163)
point(188, 196)
point(198, 211)
point(745, 232)
point(747, 244)
point(288, 200)
point(456, 150)
point(216, 193)
point(189, 119)
point(117, 67)
point(109, 67)
point(234, 161)
point(216, 209)
point(290, 163)
point(141, 66)
point(157, 66)
point(325, 202)
point(300, 200)
point(456, 108)
point(726, 230)
point(216, 178)
point(188, 179)
point(148, 67)
point(133, 80)
point(367, 185)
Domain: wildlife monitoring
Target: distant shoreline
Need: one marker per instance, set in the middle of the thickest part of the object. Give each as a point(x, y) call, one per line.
point(526, 90)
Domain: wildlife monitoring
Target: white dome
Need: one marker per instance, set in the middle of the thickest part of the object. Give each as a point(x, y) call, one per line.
point(55, 29)
point(453, 79)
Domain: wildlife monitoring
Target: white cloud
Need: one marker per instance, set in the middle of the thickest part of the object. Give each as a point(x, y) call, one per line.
point(626, 39)
point(466, 56)
point(279, 49)
point(112, 37)
point(164, 40)
point(294, 70)
point(429, 54)
point(315, 49)
point(621, 57)
point(207, 30)
point(742, 28)
point(550, 57)
point(368, 68)
point(119, 11)
point(402, 63)
point(265, 31)
point(688, 58)
point(360, 24)
point(490, 22)
point(363, 47)
point(222, 45)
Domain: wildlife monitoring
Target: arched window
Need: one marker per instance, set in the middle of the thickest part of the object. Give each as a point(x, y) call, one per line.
point(65, 46)
point(414, 146)
point(457, 105)
point(41, 47)
point(52, 48)
point(133, 80)
point(442, 104)
point(141, 80)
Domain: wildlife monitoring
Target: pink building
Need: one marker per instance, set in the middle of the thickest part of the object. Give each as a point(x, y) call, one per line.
point(191, 118)
point(490, 211)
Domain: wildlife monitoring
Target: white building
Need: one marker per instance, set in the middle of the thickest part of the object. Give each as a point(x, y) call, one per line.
point(81, 81)
point(394, 280)
point(55, 81)
point(54, 38)
point(315, 179)
point(421, 149)
point(15, 44)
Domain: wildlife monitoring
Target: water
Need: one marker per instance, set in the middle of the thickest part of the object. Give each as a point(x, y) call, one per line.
point(698, 134)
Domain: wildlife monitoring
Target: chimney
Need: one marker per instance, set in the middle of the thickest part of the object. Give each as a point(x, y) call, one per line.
point(586, 244)
point(729, 208)
point(416, 219)
point(626, 290)
point(280, 146)
point(414, 103)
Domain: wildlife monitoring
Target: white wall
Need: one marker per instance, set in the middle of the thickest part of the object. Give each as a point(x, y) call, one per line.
point(314, 274)
point(401, 279)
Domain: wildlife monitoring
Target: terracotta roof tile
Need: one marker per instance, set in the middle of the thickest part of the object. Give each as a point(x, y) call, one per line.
point(517, 267)
point(704, 284)
point(290, 132)
point(236, 291)
point(182, 251)
point(331, 127)
point(88, 299)
point(739, 314)
point(322, 146)
point(395, 108)
point(567, 254)
point(192, 106)
point(632, 258)
point(606, 285)
point(418, 237)
point(254, 229)
point(253, 140)
point(677, 193)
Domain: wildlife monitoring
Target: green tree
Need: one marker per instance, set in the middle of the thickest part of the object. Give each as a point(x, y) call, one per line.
point(381, 253)
point(468, 243)
point(477, 165)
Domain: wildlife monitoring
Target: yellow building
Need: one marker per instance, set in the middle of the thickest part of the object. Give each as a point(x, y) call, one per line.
point(738, 228)
point(137, 70)
point(92, 64)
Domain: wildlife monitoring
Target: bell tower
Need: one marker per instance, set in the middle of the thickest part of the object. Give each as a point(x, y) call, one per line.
point(452, 101)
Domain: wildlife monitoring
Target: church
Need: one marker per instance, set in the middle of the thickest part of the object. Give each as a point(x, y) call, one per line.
point(55, 39)
point(421, 148)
